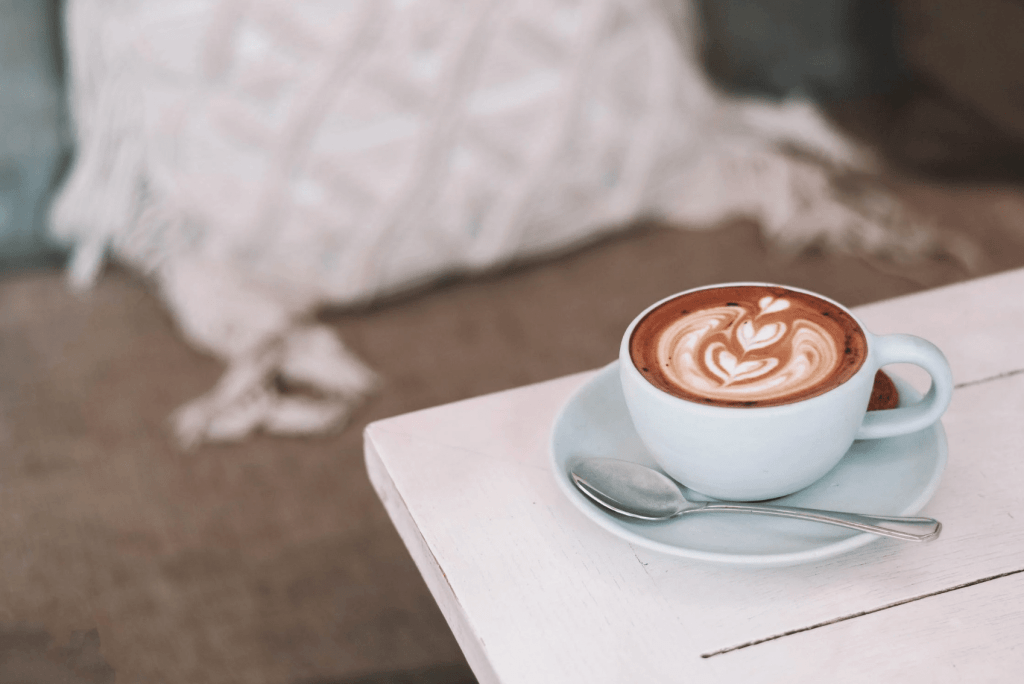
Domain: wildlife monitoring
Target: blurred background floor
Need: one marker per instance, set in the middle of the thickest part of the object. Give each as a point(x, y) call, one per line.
point(272, 560)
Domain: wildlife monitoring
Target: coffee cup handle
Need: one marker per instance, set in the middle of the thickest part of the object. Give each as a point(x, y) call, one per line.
point(906, 419)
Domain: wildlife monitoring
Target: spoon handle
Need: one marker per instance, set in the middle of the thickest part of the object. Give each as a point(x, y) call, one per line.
point(854, 521)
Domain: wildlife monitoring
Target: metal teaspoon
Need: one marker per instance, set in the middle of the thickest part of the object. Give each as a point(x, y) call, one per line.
point(640, 492)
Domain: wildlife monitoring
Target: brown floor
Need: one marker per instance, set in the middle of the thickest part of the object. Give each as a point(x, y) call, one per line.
point(272, 560)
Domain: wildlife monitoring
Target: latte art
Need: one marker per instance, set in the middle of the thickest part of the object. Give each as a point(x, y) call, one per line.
point(733, 352)
point(747, 346)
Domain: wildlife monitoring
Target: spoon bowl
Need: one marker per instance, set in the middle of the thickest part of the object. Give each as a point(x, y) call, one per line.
point(629, 489)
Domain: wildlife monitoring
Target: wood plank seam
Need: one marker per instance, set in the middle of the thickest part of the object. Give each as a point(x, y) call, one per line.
point(980, 381)
point(844, 618)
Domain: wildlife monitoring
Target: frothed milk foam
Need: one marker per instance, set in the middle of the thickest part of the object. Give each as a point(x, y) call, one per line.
point(747, 345)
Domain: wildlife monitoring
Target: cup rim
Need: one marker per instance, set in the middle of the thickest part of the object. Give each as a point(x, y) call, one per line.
point(626, 359)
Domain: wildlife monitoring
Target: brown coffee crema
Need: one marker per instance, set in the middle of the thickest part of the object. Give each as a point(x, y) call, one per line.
point(884, 395)
point(747, 346)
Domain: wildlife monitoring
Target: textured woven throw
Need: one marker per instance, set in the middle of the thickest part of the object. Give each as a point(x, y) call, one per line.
point(260, 158)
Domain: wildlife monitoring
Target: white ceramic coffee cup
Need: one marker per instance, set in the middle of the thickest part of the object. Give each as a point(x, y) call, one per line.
point(751, 454)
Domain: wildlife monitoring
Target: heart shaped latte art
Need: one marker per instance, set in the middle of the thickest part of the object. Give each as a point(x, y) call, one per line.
point(726, 366)
point(772, 305)
point(746, 351)
point(751, 338)
point(748, 346)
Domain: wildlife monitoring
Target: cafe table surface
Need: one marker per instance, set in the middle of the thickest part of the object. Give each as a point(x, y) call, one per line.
point(534, 591)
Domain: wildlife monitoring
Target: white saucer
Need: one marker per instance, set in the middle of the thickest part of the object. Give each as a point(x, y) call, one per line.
point(895, 476)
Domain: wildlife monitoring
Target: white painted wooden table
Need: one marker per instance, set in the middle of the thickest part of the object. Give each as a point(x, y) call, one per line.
point(535, 592)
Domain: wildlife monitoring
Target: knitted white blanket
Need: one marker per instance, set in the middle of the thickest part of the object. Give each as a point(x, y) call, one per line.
point(259, 158)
